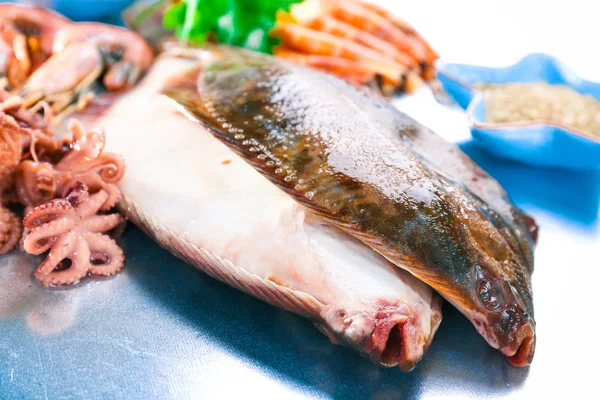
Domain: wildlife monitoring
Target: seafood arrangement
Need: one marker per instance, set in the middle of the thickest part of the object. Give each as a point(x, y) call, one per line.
point(284, 182)
point(356, 41)
point(272, 247)
point(50, 68)
point(362, 172)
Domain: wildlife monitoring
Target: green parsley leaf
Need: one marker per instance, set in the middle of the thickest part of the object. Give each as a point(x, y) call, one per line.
point(241, 23)
point(174, 16)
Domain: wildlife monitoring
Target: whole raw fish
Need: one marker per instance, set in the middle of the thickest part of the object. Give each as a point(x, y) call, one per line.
point(203, 203)
point(370, 170)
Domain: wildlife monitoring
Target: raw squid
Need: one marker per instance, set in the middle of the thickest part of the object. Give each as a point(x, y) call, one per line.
point(360, 164)
point(206, 205)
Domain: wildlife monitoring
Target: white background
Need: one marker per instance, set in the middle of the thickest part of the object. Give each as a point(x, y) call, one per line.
point(499, 33)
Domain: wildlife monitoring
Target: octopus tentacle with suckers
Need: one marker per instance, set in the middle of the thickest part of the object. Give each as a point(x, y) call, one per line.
point(70, 229)
point(69, 226)
point(85, 161)
point(14, 137)
point(50, 67)
point(85, 176)
point(363, 194)
point(10, 154)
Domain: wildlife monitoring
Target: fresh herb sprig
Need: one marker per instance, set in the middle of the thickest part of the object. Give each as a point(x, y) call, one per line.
point(243, 23)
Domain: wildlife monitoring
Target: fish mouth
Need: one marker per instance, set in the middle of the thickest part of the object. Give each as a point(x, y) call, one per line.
point(387, 344)
point(520, 352)
point(400, 342)
point(392, 351)
point(390, 345)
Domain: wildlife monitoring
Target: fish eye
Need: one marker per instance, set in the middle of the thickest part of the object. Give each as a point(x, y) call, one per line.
point(490, 294)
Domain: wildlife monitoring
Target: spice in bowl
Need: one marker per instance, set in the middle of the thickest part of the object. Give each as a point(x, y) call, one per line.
point(541, 102)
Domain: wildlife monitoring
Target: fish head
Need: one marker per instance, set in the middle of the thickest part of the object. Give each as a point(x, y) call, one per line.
point(502, 316)
point(497, 293)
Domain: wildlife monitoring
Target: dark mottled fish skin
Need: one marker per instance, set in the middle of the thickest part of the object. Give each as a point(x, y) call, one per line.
point(352, 159)
point(447, 157)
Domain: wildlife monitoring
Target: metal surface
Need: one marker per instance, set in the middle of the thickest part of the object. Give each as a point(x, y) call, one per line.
point(164, 330)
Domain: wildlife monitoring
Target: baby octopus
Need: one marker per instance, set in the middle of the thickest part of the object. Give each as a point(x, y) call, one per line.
point(19, 129)
point(10, 155)
point(50, 67)
point(85, 161)
point(79, 170)
point(75, 235)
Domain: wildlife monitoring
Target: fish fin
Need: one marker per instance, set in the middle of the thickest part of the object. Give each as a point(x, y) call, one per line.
point(268, 290)
point(183, 90)
point(393, 340)
point(532, 227)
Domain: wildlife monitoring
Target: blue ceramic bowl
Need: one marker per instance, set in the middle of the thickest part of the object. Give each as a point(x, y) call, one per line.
point(86, 10)
point(535, 143)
